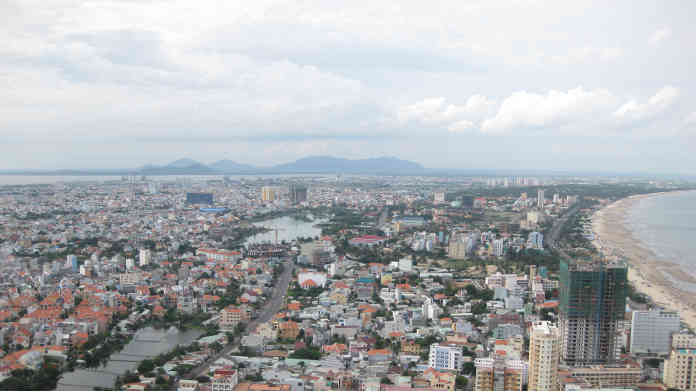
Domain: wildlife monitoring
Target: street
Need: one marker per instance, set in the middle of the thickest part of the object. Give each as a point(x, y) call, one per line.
point(556, 229)
point(273, 306)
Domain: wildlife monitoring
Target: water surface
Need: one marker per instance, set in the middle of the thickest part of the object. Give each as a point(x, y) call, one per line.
point(147, 343)
point(666, 224)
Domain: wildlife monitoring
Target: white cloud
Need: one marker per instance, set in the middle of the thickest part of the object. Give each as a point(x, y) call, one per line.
point(690, 119)
point(660, 35)
point(555, 108)
point(587, 55)
point(76, 71)
point(461, 126)
point(657, 104)
point(437, 112)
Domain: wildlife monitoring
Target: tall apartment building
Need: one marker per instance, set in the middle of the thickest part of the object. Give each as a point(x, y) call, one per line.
point(298, 193)
point(462, 245)
point(72, 263)
point(651, 331)
point(500, 374)
point(145, 257)
point(443, 357)
point(680, 368)
point(499, 248)
point(591, 310)
point(268, 193)
point(540, 199)
point(535, 240)
point(457, 249)
point(544, 356)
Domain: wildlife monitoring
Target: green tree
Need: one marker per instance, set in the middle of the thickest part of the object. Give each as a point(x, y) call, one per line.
point(309, 352)
point(146, 366)
point(460, 382)
point(468, 368)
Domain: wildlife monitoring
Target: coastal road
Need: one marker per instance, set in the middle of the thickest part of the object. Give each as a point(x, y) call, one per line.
point(558, 225)
point(269, 309)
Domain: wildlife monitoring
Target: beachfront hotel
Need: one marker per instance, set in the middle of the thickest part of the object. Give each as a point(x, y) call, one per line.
point(591, 310)
point(651, 331)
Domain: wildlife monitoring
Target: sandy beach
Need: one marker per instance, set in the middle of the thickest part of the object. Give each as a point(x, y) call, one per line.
point(645, 272)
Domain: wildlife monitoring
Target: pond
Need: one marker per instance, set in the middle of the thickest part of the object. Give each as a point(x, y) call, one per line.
point(288, 227)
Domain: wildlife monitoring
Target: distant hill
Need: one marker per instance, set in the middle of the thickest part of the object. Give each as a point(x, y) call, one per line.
point(312, 164)
point(322, 164)
point(184, 162)
point(228, 166)
point(180, 166)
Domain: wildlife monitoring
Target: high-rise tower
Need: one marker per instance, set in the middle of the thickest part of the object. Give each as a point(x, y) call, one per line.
point(298, 193)
point(544, 355)
point(592, 308)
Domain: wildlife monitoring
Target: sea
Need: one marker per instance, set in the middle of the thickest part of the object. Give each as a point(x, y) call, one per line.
point(666, 224)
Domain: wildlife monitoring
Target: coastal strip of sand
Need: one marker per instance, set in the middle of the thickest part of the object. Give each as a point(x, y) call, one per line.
point(646, 271)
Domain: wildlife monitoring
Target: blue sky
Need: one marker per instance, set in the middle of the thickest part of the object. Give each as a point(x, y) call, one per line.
point(461, 84)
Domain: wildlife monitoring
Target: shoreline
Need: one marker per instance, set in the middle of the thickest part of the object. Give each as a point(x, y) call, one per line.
point(646, 271)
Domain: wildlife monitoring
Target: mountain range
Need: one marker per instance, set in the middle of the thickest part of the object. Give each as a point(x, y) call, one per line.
point(312, 164)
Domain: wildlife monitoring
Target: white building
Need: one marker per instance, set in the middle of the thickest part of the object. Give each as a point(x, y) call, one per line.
point(445, 357)
point(544, 357)
point(406, 264)
point(145, 257)
point(220, 255)
point(311, 279)
point(130, 264)
point(536, 240)
point(540, 199)
point(651, 331)
point(129, 278)
point(224, 381)
point(71, 262)
point(499, 248)
point(430, 310)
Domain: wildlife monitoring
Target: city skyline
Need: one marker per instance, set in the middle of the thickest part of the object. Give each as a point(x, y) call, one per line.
point(526, 85)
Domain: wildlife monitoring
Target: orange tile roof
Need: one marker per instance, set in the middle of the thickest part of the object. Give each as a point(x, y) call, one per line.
point(376, 351)
point(309, 283)
point(336, 347)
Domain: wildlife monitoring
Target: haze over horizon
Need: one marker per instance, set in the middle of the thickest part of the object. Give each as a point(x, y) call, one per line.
point(524, 84)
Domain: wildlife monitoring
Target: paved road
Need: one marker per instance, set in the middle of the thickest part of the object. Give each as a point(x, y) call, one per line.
point(273, 306)
point(558, 225)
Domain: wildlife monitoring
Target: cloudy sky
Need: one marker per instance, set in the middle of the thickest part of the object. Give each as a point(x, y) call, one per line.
point(461, 84)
